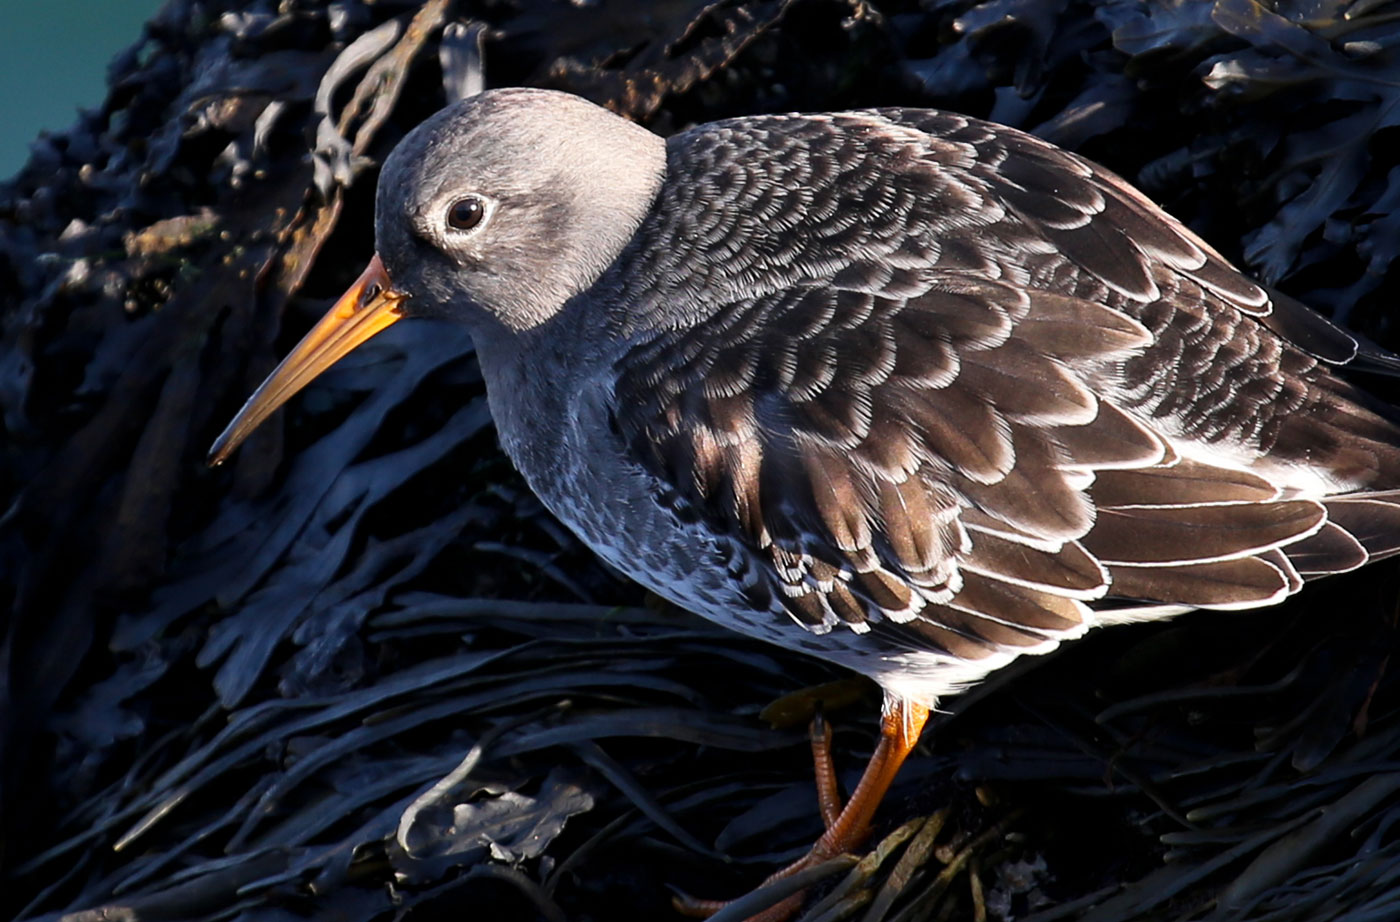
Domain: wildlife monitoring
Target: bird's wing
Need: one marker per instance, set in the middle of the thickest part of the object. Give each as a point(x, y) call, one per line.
point(941, 460)
point(957, 384)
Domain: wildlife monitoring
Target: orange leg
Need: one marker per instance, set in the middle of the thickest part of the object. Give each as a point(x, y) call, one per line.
point(828, 798)
point(900, 727)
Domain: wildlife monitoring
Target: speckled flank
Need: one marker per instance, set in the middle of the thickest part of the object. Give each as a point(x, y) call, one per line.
point(908, 391)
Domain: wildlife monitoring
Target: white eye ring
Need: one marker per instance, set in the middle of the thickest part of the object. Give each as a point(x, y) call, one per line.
point(468, 214)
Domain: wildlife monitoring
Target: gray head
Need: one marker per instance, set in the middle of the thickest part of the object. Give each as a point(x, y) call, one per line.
point(494, 212)
point(507, 204)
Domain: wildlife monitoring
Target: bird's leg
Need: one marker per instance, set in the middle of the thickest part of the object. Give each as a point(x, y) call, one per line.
point(828, 798)
point(900, 726)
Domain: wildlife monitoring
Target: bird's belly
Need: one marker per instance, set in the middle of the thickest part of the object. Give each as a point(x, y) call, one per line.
point(613, 506)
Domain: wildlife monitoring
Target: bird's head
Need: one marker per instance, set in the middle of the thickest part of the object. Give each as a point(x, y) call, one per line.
point(495, 212)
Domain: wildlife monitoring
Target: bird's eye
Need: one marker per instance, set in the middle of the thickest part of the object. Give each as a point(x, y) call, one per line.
point(466, 213)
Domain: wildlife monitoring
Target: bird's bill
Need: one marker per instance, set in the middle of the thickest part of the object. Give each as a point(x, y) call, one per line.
point(370, 306)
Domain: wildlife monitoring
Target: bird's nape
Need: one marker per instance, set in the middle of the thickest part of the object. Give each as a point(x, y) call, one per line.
point(368, 307)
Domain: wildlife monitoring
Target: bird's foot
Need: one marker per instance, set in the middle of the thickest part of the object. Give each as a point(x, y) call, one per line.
point(846, 827)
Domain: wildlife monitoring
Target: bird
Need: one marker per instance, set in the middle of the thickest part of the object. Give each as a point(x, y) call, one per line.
point(898, 388)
